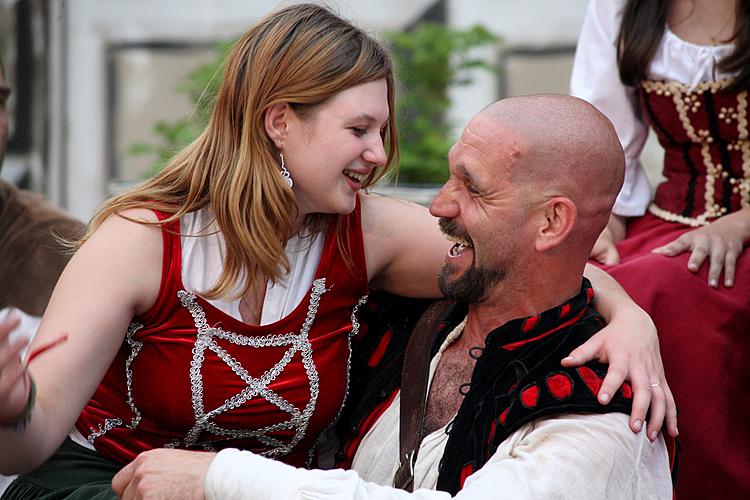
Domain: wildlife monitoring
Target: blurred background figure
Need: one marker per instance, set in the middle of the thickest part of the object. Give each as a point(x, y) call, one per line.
point(683, 66)
point(31, 259)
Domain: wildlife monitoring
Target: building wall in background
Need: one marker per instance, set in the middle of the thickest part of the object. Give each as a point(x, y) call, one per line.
point(112, 67)
point(110, 46)
point(534, 56)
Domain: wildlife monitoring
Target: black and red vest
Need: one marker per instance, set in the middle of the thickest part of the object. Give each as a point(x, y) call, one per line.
point(517, 378)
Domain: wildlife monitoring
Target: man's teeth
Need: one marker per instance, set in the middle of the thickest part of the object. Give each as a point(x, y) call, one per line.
point(355, 176)
point(458, 240)
point(457, 249)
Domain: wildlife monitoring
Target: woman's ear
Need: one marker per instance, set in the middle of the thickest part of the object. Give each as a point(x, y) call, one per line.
point(560, 216)
point(276, 122)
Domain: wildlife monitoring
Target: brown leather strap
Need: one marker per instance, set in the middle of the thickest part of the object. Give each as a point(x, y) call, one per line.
point(414, 391)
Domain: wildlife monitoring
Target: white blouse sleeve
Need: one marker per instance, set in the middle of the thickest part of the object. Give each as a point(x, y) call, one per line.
point(596, 79)
point(564, 457)
point(575, 456)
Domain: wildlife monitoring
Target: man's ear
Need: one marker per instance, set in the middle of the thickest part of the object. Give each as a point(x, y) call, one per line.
point(559, 216)
point(276, 122)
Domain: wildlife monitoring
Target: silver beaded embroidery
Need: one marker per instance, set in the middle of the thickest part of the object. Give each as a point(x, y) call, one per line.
point(135, 348)
point(355, 322)
point(111, 423)
point(206, 340)
point(355, 330)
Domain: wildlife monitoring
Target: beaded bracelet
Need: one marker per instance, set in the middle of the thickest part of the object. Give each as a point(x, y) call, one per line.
point(19, 423)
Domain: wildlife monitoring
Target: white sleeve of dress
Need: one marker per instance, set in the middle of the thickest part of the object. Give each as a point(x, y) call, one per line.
point(568, 457)
point(596, 79)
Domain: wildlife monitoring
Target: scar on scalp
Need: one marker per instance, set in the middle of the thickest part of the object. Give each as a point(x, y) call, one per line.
point(515, 154)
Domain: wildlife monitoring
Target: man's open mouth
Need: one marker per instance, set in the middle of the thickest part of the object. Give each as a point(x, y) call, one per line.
point(459, 245)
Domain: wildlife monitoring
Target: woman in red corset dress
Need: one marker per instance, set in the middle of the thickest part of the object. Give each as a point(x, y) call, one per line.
point(683, 67)
point(214, 305)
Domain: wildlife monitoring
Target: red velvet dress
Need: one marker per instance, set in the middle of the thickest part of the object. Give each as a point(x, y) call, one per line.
point(704, 332)
point(190, 376)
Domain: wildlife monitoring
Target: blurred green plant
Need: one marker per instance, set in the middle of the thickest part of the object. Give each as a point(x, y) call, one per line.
point(201, 86)
point(429, 59)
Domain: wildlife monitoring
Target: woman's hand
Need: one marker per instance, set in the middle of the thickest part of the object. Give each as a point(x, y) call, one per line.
point(14, 380)
point(721, 242)
point(604, 251)
point(630, 345)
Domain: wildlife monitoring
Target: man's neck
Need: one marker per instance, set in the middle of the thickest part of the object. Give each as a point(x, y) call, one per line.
point(504, 304)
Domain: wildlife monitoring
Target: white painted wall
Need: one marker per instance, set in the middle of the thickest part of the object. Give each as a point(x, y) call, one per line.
point(528, 24)
point(92, 25)
point(520, 23)
point(78, 112)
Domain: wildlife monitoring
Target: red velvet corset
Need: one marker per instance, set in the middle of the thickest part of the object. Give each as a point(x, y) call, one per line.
point(704, 132)
point(190, 376)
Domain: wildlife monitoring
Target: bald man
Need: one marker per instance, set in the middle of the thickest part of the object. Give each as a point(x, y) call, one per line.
point(532, 182)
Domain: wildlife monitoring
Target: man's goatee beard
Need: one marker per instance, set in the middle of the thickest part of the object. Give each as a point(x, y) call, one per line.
point(472, 286)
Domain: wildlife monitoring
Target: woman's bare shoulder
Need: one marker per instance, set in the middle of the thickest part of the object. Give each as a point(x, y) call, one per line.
point(127, 246)
point(403, 246)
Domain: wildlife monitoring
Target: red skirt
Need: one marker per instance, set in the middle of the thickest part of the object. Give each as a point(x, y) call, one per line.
point(704, 335)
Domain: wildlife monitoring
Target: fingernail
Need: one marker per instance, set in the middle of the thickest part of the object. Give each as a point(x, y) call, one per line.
point(692, 266)
point(728, 282)
point(604, 398)
point(569, 358)
point(638, 424)
point(653, 436)
point(713, 283)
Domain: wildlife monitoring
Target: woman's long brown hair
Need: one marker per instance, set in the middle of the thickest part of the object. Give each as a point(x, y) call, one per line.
point(642, 28)
point(302, 55)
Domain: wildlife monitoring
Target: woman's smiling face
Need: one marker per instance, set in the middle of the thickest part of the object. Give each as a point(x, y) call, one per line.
point(332, 152)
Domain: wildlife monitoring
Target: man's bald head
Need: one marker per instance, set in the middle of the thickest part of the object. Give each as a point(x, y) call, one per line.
point(561, 146)
point(532, 182)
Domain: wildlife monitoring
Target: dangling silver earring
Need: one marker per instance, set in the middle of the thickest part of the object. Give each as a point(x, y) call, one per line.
point(285, 173)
